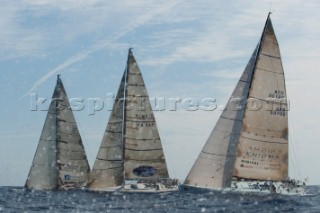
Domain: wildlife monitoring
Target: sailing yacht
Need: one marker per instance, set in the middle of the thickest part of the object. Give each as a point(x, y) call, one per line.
point(131, 156)
point(247, 151)
point(60, 161)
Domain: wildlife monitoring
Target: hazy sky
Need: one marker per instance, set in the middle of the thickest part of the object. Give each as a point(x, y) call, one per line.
point(185, 49)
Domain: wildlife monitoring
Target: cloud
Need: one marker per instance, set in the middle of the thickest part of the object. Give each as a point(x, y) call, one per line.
point(59, 68)
point(62, 4)
point(15, 40)
point(142, 19)
point(206, 42)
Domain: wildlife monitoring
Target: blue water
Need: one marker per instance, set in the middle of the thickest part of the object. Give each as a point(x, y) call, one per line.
point(16, 199)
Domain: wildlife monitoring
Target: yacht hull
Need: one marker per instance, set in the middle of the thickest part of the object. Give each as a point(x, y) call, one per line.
point(253, 187)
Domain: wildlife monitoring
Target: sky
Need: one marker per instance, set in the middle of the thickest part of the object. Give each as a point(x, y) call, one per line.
point(185, 49)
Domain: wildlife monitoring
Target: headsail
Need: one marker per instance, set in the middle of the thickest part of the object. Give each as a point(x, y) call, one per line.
point(44, 170)
point(131, 147)
point(214, 165)
point(239, 133)
point(60, 157)
point(107, 170)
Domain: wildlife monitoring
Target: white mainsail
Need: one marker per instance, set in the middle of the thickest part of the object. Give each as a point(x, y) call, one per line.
point(60, 158)
point(250, 137)
point(131, 146)
point(144, 157)
point(263, 144)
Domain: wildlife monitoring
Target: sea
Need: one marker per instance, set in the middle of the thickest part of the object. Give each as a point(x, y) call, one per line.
point(17, 199)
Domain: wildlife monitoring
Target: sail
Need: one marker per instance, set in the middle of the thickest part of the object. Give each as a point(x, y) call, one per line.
point(108, 167)
point(44, 170)
point(131, 146)
point(71, 158)
point(144, 156)
point(214, 165)
point(60, 157)
point(250, 137)
point(263, 144)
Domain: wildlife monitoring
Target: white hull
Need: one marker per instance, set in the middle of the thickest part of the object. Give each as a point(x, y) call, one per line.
point(135, 187)
point(108, 189)
point(150, 190)
point(265, 187)
point(254, 187)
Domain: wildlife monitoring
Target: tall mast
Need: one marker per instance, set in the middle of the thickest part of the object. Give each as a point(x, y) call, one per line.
point(56, 99)
point(124, 112)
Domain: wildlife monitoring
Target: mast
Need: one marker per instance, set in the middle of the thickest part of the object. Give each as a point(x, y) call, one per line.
point(124, 113)
point(57, 99)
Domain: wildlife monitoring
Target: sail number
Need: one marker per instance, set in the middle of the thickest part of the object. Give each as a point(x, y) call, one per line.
point(277, 94)
point(278, 111)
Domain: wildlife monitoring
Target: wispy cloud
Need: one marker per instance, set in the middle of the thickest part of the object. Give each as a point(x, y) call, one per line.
point(208, 43)
point(59, 68)
point(142, 19)
point(225, 74)
point(62, 4)
point(15, 40)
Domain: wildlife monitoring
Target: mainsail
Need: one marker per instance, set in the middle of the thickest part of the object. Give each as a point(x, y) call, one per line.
point(60, 158)
point(250, 137)
point(263, 144)
point(131, 146)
